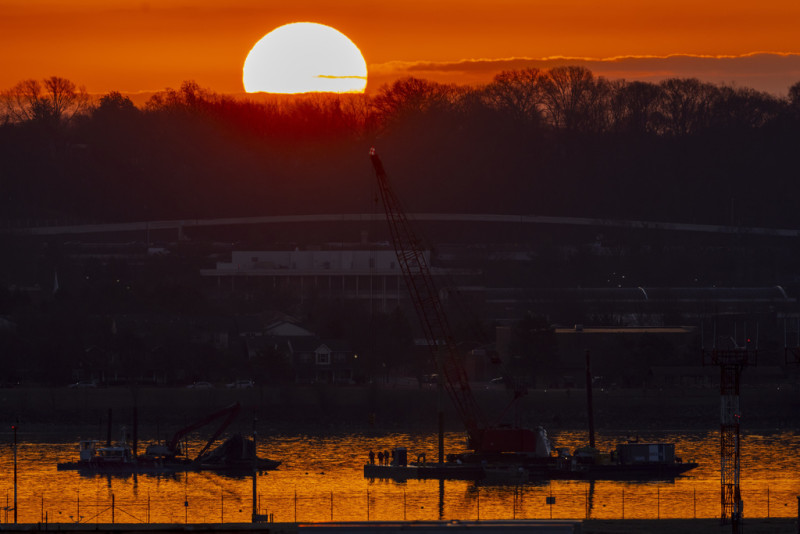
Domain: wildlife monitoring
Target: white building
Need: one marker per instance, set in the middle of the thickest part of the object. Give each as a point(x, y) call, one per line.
point(373, 275)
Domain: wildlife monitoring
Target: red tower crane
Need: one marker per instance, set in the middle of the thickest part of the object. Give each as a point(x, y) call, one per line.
point(482, 437)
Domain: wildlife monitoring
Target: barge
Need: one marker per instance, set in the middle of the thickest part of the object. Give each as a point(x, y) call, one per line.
point(628, 461)
point(235, 456)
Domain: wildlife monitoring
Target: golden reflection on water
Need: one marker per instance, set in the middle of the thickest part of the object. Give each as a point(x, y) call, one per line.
point(321, 479)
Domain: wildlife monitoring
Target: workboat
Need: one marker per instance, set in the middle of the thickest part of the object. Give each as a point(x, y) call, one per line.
point(118, 459)
point(235, 455)
point(633, 460)
point(628, 461)
point(497, 449)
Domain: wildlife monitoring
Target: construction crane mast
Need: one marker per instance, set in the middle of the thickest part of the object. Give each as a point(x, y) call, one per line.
point(482, 438)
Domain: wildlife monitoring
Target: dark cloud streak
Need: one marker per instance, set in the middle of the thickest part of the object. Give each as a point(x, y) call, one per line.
point(771, 72)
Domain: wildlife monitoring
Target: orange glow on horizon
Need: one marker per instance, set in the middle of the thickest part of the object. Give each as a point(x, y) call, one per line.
point(130, 46)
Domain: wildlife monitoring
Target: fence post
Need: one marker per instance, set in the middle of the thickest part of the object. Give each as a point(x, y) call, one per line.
point(586, 503)
point(514, 504)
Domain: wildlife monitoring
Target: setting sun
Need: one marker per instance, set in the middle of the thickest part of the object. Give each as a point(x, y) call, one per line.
point(305, 57)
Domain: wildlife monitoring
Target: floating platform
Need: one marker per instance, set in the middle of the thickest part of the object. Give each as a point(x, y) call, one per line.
point(234, 457)
point(168, 468)
point(452, 471)
point(522, 473)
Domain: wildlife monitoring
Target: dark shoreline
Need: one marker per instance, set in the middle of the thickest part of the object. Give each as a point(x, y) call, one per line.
point(326, 409)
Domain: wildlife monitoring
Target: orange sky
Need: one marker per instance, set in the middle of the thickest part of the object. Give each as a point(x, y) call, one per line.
point(134, 45)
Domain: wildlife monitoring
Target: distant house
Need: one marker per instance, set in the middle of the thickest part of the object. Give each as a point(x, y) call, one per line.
point(326, 362)
point(287, 329)
point(275, 335)
point(312, 360)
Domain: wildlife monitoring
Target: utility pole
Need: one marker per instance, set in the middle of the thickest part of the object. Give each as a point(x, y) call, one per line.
point(589, 407)
point(255, 473)
point(791, 355)
point(14, 427)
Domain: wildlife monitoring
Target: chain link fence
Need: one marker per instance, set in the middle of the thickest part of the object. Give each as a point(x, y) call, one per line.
point(474, 502)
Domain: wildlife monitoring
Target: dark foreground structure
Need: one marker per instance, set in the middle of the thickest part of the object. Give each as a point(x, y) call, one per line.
point(360, 527)
point(591, 526)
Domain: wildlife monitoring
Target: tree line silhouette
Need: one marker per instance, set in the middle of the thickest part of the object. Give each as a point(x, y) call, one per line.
point(552, 142)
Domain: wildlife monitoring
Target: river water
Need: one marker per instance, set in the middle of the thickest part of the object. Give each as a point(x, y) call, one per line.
point(321, 479)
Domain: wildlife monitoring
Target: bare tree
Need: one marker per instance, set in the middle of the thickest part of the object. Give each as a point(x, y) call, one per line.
point(22, 103)
point(190, 97)
point(794, 99)
point(570, 92)
point(115, 102)
point(634, 106)
point(520, 93)
point(53, 101)
point(742, 108)
point(685, 105)
point(358, 112)
point(410, 95)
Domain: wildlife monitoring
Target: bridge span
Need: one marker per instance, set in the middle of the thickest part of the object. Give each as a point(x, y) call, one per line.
point(181, 224)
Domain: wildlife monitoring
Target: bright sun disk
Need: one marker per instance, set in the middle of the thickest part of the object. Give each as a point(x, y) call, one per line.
point(305, 57)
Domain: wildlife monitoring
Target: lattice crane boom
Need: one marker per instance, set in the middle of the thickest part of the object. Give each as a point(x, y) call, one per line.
point(423, 292)
point(434, 323)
